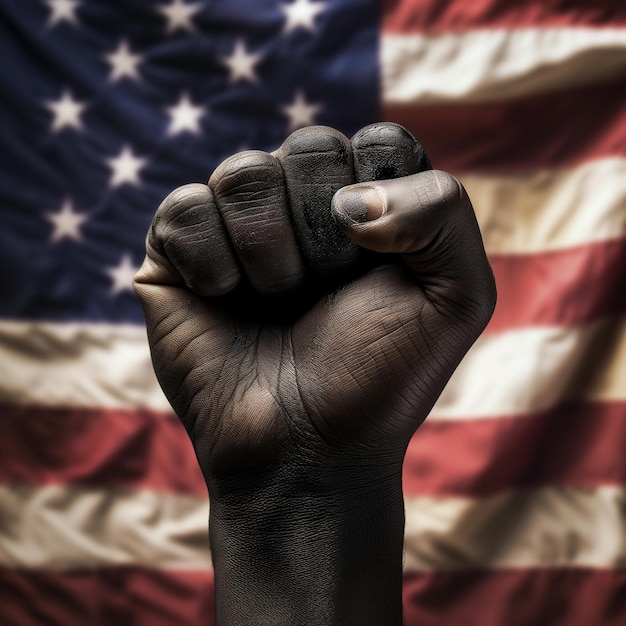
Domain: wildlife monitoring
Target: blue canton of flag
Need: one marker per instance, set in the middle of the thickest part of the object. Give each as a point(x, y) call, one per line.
point(107, 106)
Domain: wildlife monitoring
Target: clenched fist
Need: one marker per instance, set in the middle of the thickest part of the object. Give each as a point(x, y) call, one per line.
point(304, 311)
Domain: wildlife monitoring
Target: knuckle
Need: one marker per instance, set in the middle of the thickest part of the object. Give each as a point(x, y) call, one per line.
point(244, 168)
point(182, 194)
point(381, 132)
point(186, 236)
point(449, 189)
point(315, 139)
point(181, 207)
point(386, 150)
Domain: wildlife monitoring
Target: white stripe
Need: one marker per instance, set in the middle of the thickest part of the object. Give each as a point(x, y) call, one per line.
point(507, 373)
point(543, 528)
point(492, 64)
point(539, 212)
point(524, 371)
point(77, 365)
point(60, 527)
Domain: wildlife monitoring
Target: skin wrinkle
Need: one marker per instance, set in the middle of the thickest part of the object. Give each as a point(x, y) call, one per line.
point(317, 409)
point(239, 202)
point(164, 336)
point(243, 163)
point(252, 211)
point(184, 384)
point(280, 375)
point(379, 349)
point(201, 367)
point(399, 347)
point(178, 212)
point(238, 181)
point(294, 422)
point(191, 419)
point(338, 152)
point(194, 236)
point(156, 329)
point(197, 340)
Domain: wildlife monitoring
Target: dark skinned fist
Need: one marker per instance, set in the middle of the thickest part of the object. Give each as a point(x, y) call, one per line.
point(305, 310)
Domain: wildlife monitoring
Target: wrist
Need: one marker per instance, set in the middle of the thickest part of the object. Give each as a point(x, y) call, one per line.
point(295, 546)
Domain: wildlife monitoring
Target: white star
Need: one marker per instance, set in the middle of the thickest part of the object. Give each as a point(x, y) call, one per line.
point(122, 275)
point(241, 64)
point(301, 13)
point(66, 112)
point(62, 11)
point(66, 223)
point(179, 14)
point(123, 62)
point(125, 168)
point(185, 116)
point(300, 113)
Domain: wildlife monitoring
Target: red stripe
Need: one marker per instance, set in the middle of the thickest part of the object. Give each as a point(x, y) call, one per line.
point(555, 597)
point(567, 445)
point(123, 597)
point(410, 16)
point(99, 447)
point(560, 288)
point(555, 130)
point(139, 450)
point(107, 597)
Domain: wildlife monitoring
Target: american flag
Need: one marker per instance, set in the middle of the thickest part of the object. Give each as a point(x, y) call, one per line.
point(515, 486)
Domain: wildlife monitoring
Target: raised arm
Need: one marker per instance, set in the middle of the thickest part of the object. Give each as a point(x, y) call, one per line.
point(302, 335)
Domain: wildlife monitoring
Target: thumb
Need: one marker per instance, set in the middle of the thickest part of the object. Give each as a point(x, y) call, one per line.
point(427, 220)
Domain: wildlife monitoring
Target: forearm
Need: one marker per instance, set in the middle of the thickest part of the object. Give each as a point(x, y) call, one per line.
point(314, 555)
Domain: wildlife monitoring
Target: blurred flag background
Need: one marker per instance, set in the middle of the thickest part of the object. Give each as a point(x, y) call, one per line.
point(516, 484)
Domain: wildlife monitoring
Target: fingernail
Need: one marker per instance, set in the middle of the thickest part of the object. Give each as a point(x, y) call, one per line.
point(359, 204)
